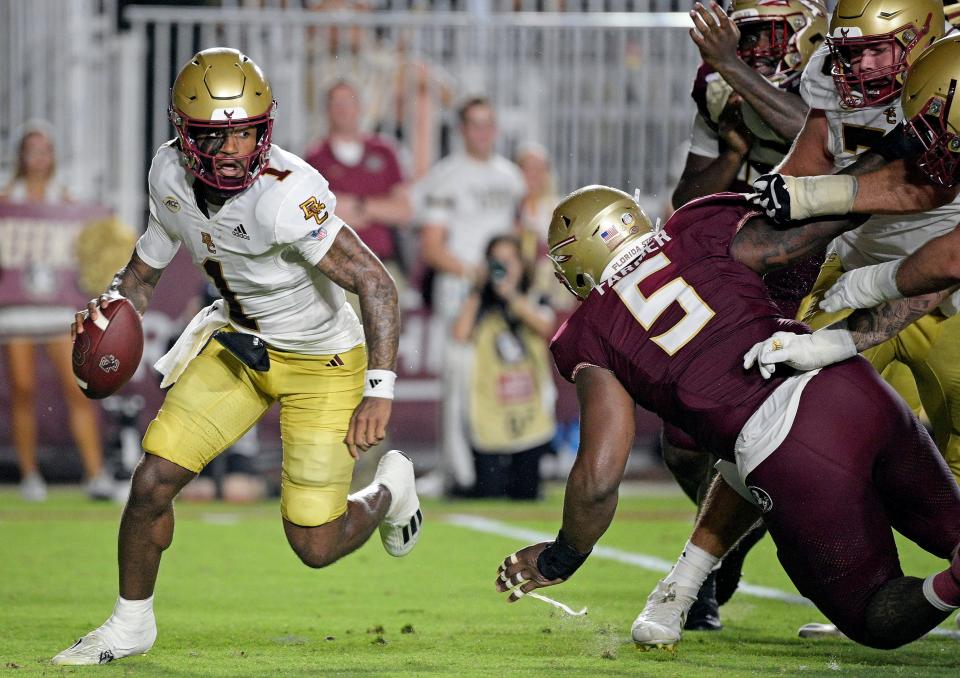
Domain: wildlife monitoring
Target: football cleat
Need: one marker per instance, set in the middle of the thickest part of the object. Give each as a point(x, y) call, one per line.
point(401, 526)
point(815, 631)
point(660, 624)
point(94, 648)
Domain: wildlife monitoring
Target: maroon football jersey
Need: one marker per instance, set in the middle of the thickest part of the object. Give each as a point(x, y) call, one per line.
point(674, 324)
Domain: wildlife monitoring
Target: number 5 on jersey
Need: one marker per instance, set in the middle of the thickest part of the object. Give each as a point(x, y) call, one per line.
point(646, 310)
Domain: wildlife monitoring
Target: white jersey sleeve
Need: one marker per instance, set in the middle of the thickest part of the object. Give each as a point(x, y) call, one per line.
point(303, 212)
point(156, 246)
point(703, 140)
point(816, 84)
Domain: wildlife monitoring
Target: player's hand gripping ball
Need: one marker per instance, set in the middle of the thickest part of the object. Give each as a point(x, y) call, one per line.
point(107, 348)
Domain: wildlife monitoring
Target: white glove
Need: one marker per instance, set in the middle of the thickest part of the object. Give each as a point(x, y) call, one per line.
point(784, 198)
point(863, 287)
point(800, 351)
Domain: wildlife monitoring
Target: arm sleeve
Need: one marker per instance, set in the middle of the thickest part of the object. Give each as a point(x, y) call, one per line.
point(156, 246)
point(574, 348)
point(303, 216)
point(316, 244)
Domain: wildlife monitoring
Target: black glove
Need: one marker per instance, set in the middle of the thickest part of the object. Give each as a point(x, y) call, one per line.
point(772, 197)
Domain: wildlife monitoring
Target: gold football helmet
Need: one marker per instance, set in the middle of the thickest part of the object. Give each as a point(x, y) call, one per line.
point(928, 100)
point(795, 29)
point(895, 31)
point(591, 231)
point(221, 89)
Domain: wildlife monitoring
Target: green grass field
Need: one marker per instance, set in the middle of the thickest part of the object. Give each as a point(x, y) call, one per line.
point(233, 600)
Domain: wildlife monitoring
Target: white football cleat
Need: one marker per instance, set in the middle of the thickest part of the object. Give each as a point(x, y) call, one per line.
point(95, 648)
point(660, 624)
point(400, 528)
point(815, 630)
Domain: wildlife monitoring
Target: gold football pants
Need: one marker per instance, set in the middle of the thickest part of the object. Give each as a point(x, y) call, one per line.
point(922, 363)
point(218, 398)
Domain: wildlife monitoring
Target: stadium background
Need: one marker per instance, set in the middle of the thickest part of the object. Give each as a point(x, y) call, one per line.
point(604, 86)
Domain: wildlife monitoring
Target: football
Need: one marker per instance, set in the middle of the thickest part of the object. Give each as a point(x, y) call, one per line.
point(108, 351)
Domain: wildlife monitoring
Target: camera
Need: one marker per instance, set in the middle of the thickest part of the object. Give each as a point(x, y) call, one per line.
point(497, 270)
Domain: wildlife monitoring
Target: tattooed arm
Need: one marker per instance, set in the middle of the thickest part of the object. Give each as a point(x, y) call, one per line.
point(871, 326)
point(353, 267)
point(763, 247)
point(135, 281)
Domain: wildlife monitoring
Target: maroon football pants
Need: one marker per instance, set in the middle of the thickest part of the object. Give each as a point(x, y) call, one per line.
point(856, 466)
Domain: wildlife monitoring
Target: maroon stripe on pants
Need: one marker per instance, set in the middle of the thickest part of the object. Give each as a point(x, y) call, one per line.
point(856, 464)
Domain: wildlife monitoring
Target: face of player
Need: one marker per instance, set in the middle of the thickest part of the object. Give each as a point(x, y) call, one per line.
point(37, 155)
point(868, 59)
point(479, 130)
point(231, 149)
point(754, 47)
point(343, 110)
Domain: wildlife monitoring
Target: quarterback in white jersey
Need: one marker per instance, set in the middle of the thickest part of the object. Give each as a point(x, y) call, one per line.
point(260, 223)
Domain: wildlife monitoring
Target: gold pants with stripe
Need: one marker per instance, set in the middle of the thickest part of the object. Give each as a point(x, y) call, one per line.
point(218, 398)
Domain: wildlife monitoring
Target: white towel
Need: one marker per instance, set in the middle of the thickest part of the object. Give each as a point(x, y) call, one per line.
point(193, 339)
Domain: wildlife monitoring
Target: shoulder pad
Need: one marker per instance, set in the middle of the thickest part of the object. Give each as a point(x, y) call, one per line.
point(816, 83)
point(297, 206)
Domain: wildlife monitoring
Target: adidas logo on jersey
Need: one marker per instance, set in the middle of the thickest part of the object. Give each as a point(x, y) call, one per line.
point(241, 232)
point(336, 362)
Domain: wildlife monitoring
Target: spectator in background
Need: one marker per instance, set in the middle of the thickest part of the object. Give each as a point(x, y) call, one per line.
point(465, 200)
point(533, 218)
point(35, 182)
point(364, 172)
point(510, 393)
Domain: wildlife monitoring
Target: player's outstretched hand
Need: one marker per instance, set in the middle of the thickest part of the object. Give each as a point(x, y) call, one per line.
point(93, 311)
point(518, 573)
point(368, 425)
point(800, 351)
point(715, 34)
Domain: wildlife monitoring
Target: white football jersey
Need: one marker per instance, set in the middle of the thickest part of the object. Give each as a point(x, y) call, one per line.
point(260, 250)
point(851, 132)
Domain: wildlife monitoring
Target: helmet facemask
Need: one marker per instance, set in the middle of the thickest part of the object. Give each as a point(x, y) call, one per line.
point(770, 59)
point(201, 141)
point(941, 157)
point(878, 85)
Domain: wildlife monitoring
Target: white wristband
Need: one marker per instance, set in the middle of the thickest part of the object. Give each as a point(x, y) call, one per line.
point(820, 196)
point(379, 384)
point(887, 279)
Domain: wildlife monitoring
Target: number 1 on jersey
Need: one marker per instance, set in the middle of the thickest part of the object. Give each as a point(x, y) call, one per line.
point(647, 309)
point(215, 271)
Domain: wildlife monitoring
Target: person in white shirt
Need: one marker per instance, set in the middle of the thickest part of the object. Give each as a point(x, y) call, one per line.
point(467, 199)
point(261, 223)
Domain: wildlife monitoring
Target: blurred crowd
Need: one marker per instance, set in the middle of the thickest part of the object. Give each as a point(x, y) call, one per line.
point(464, 239)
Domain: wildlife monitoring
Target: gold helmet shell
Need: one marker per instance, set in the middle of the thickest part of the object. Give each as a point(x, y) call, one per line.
point(591, 231)
point(931, 109)
point(219, 89)
point(904, 26)
point(797, 28)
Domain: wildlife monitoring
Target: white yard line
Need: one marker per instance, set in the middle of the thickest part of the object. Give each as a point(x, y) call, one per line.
point(645, 562)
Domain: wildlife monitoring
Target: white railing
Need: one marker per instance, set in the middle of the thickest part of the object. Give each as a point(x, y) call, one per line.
point(606, 92)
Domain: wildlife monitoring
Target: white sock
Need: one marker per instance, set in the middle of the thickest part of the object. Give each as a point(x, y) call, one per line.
point(932, 596)
point(693, 567)
point(131, 625)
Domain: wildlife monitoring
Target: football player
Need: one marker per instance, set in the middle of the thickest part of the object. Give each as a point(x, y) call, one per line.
point(261, 223)
point(666, 317)
point(929, 108)
point(853, 102)
point(748, 111)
